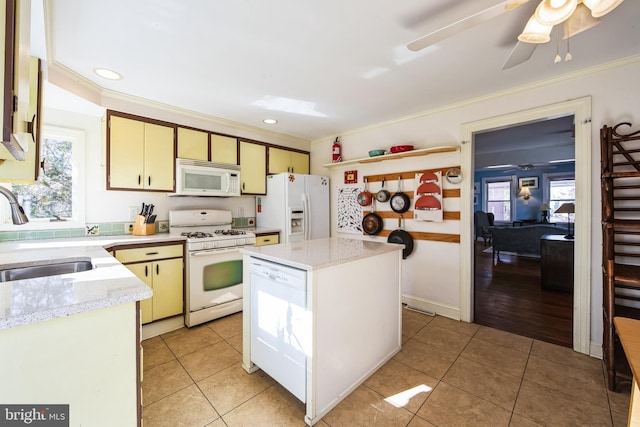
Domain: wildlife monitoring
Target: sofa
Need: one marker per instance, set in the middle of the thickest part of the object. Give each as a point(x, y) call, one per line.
point(523, 240)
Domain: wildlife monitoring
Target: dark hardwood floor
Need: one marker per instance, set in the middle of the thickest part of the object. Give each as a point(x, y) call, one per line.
point(508, 297)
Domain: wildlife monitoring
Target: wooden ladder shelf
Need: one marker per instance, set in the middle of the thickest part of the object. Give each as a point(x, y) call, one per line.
point(620, 179)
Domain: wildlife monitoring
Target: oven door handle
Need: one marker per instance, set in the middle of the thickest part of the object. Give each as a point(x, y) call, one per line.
point(213, 251)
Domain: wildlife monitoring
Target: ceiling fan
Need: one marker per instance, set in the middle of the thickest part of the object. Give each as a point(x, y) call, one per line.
point(529, 166)
point(575, 15)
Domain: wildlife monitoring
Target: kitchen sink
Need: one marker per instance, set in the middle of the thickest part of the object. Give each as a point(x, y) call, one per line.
point(54, 269)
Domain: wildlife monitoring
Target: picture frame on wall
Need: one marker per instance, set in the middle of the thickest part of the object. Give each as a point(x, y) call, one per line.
point(531, 182)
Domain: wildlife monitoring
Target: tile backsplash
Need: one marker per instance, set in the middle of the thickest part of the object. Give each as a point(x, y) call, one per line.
point(95, 229)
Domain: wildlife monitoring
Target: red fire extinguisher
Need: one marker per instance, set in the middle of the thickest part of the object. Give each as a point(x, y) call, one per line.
point(335, 151)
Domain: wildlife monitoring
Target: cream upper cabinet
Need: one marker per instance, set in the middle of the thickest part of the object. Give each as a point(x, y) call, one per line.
point(224, 149)
point(253, 168)
point(141, 155)
point(27, 171)
point(299, 162)
point(126, 153)
point(159, 157)
point(15, 74)
point(281, 160)
point(193, 144)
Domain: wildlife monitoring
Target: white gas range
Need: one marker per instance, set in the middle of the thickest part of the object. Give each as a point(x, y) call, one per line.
point(213, 264)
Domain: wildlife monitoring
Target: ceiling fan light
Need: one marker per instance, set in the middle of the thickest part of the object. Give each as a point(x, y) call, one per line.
point(601, 7)
point(552, 12)
point(535, 32)
point(580, 21)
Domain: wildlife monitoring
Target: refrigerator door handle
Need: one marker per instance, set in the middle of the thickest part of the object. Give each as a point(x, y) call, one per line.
point(306, 216)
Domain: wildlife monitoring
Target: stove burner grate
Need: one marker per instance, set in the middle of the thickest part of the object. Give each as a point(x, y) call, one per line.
point(230, 232)
point(196, 234)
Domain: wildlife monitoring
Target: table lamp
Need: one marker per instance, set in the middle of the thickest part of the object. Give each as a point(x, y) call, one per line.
point(567, 208)
point(545, 213)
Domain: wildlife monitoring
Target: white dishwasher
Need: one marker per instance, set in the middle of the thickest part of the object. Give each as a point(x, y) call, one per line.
point(279, 342)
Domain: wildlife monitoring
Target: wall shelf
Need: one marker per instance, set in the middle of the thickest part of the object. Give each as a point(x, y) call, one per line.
point(396, 156)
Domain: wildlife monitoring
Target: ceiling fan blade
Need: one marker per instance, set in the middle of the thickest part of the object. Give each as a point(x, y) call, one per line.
point(459, 26)
point(520, 53)
point(512, 4)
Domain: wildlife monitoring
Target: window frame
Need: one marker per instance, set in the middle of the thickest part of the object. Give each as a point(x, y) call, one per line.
point(555, 176)
point(508, 178)
point(78, 143)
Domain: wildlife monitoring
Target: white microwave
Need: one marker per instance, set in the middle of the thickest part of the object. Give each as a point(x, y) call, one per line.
point(202, 178)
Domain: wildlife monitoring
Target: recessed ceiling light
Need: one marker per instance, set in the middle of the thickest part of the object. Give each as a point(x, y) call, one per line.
point(107, 74)
point(270, 121)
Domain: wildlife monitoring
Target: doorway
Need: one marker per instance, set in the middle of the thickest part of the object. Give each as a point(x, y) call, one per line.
point(581, 109)
point(509, 291)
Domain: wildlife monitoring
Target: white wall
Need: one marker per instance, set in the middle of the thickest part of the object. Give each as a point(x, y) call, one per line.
point(432, 273)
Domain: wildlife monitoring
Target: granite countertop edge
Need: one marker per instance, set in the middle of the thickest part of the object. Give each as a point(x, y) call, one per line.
point(108, 284)
point(321, 253)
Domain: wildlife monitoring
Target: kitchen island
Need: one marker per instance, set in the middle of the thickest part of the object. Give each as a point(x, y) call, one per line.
point(321, 316)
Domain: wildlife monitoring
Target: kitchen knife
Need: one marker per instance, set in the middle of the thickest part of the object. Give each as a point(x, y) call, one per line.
point(151, 219)
point(149, 212)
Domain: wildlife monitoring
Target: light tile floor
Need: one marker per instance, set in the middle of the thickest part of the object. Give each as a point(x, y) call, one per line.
point(453, 374)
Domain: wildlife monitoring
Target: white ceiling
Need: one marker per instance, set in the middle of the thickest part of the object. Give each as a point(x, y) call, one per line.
point(321, 68)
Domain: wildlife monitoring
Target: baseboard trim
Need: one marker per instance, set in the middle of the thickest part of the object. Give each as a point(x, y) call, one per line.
point(595, 349)
point(160, 327)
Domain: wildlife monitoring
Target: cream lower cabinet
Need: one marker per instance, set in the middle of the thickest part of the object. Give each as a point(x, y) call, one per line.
point(265, 239)
point(162, 269)
point(287, 161)
point(141, 155)
point(253, 168)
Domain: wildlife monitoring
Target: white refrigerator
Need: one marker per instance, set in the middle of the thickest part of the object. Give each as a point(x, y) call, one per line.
point(297, 205)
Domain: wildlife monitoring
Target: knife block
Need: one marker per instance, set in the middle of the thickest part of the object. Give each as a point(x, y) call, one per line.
point(142, 229)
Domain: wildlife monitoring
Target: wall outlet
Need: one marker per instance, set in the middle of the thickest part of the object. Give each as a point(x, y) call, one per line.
point(128, 228)
point(133, 212)
point(163, 226)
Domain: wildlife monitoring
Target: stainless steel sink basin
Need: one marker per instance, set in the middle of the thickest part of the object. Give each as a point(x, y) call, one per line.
point(43, 270)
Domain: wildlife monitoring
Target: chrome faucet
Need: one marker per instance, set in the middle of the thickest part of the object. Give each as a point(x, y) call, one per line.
point(17, 213)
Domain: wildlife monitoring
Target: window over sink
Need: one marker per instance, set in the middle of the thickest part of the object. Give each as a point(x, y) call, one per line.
point(55, 200)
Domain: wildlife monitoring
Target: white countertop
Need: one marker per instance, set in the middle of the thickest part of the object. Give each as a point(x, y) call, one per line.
point(109, 283)
point(320, 253)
